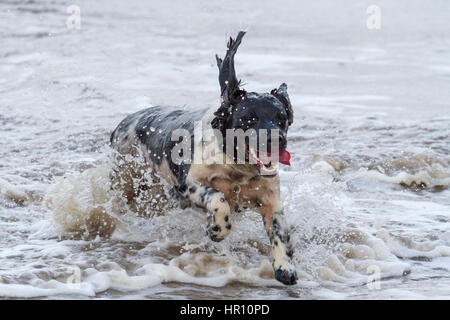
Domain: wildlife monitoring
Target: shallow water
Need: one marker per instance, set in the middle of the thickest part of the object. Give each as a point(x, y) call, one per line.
point(368, 189)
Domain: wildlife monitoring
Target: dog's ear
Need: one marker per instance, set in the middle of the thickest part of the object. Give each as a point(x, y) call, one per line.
point(229, 84)
point(282, 95)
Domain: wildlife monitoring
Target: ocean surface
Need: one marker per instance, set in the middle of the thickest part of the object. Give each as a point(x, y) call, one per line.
point(367, 193)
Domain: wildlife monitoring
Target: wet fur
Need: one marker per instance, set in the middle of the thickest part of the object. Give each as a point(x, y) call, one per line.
point(143, 144)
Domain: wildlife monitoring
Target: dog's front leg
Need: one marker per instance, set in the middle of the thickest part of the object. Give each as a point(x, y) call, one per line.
point(281, 248)
point(278, 231)
point(214, 202)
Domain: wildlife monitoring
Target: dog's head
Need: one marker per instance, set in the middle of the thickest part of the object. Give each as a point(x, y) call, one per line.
point(267, 113)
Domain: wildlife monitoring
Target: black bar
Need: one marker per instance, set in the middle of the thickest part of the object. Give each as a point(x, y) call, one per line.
point(221, 309)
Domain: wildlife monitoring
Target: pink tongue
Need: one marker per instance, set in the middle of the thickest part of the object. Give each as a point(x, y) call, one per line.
point(285, 156)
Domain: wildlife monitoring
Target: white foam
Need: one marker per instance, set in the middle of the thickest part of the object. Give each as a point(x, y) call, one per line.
point(53, 288)
point(12, 192)
point(73, 199)
point(436, 175)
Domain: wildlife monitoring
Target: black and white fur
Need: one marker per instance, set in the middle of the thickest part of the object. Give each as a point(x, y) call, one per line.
point(218, 188)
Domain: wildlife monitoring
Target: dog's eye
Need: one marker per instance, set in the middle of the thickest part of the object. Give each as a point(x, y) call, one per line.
point(281, 119)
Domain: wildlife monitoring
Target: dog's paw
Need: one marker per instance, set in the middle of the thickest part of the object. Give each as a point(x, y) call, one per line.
point(282, 264)
point(219, 225)
point(213, 233)
point(286, 276)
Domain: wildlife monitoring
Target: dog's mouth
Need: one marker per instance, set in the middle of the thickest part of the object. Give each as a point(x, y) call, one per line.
point(266, 163)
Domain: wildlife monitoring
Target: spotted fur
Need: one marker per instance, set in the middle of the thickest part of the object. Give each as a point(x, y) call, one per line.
point(216, 187)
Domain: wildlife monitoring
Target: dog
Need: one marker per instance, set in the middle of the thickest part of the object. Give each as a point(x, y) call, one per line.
point(215, 186)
